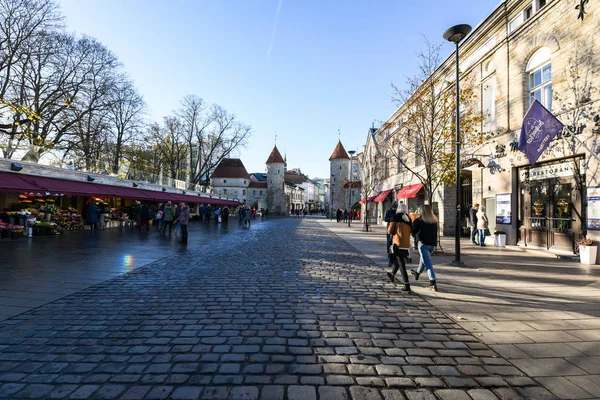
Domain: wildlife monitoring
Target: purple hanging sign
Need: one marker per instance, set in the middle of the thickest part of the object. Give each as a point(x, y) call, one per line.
point(538, 130)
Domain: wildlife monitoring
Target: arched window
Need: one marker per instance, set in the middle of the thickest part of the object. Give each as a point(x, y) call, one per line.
point(539, 71)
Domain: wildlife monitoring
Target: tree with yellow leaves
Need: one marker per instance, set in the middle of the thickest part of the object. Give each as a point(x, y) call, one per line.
point(421, 139)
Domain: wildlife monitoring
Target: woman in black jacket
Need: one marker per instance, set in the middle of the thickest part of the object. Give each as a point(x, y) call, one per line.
point(426, 226)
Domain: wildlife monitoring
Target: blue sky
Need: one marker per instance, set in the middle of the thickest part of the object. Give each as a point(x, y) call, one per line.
point(319, 65)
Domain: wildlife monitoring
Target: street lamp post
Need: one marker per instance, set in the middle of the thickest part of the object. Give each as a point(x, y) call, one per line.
point(350, 188)
point(455, 35)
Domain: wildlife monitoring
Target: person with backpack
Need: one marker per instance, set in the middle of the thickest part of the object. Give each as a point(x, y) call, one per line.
point(400, 229)
point(159, 216)
point(168, 217)
point(389, 216)
point(183, 219)
point(426, 226)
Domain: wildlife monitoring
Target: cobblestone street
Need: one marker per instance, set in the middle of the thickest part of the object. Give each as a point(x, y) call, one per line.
point(285, 310)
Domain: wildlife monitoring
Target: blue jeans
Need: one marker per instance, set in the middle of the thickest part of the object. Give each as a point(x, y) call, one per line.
point(481, 236)
point(425, 251)
point(474, 234)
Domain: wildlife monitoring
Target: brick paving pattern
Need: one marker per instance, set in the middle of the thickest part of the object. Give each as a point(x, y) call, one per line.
point(286, 310)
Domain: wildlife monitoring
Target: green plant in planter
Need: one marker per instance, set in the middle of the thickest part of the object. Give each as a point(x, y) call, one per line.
point(42, 224)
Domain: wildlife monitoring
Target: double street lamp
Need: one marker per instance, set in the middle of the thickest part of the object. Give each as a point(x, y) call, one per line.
point(455, 35)
point(350, 188)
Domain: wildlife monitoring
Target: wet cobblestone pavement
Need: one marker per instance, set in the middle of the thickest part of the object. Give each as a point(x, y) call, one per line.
point(285, 310)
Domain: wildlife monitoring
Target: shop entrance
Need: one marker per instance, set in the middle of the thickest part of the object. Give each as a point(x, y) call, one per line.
point(552, 206)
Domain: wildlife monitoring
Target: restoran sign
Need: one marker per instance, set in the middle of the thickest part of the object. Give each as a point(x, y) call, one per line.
point(549, 171)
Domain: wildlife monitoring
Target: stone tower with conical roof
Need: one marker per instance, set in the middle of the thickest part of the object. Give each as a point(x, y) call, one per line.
point(276, 201)
point(339, 175)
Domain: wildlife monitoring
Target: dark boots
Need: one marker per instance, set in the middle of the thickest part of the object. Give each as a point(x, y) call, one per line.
point(432, 286)
point(406, 288)
point(415, 274)
point(391, 276)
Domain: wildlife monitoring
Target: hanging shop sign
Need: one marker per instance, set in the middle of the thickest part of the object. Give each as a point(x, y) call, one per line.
point(548, 171)
point(593, 208)
point(503, 212)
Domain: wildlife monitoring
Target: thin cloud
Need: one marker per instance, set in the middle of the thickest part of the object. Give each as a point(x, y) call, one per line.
point(275, 22)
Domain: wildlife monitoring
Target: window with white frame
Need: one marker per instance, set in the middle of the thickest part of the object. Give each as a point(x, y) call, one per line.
point(489, 100)
point(539, 77)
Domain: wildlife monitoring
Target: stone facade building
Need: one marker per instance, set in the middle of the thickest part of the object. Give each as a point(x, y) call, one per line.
point(230, 179)
point(278, 190)
point(340, 165)
point(525, 49)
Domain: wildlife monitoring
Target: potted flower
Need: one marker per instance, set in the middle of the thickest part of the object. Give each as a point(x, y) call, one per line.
point(42, 228)
point(500, 238)
point(4, 232)
point(16, 231)
point(588, 249)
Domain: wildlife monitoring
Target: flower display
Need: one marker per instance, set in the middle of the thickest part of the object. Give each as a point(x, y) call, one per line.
point(586, 242)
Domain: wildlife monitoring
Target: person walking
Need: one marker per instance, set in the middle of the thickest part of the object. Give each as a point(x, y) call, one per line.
point(338, 215)
point(473, 221)
point(345, 215)
point(138, 215)
point(102, 211)
point(92, 215)
point(146, 215)
point(217, 213)
point(426, 226)
point(168, 217)
point(225, 215)
point(184, 218)
point(389, 216)
point(482, 224)
point(400, 228)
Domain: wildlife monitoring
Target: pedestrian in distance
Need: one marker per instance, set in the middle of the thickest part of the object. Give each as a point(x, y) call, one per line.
point(400, 228)
point(338, 215)
point(146, 216)
point(345, 215)
point(473, 222)
point(102, 211)
point(482, 224)
point(92, 215)
point(426, 226)
point(225, 215)
point(217, 214)
point(389, 216)
point(138, 214)
point(168, 217)
point(160, 216)
point(184, 218)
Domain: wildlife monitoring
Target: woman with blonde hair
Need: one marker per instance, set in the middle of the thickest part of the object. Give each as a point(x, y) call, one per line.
point(426, 226)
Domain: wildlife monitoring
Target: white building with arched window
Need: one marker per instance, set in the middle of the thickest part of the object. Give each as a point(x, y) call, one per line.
point(525, 50)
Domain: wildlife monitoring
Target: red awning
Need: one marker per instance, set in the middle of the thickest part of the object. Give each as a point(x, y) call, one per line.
point(369, 200)
point(59, 186)
point(17, 183)
point(409, 192)
point(381, 196)
point(11, 182)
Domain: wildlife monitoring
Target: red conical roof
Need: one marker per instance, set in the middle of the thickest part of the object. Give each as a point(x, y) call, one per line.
point(339, 152)
point(275, 157)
